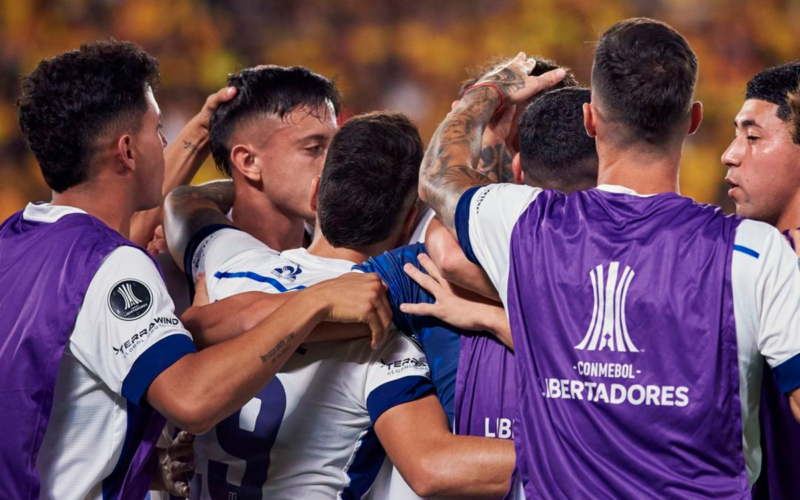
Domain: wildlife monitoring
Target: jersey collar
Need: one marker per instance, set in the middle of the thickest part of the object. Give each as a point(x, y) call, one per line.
point(45, 212)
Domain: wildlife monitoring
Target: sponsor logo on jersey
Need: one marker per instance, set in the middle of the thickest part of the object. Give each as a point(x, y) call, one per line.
point(139, 337)
point(287, 273)
point(608, 329)
point(401, 365)
point(130, 299)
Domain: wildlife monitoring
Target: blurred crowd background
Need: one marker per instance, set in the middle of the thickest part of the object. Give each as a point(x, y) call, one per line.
point(403, 55)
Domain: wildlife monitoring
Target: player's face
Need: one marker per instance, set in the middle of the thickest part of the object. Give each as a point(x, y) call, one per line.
point(149, 144)
point(763, 163)
point(293, 155)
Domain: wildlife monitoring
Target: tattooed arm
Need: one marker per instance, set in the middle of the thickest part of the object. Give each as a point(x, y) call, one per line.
point(182, 159)
point(188, 209)
point(202, 388)
point(496, 156)
point(448, 167)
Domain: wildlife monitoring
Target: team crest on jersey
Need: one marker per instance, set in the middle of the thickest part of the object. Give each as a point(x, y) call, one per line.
point(129, 300)
point(608, 329)
point(287, 273)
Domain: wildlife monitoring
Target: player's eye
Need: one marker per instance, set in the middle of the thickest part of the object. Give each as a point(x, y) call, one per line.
point(752, 139)
point(160, 126)
point(314, 150)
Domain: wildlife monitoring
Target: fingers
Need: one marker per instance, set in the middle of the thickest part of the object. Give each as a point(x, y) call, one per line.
point(181, 489)
point(430, 266)
point(548, 79)
point(176, 468)
point(222, 95)
point(422, 309)
point(385, 317)
point(422, 279)
point(200, 291)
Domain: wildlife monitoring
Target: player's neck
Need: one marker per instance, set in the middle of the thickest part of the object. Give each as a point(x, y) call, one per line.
point(645, 172)
point(259, 217)
point(790, 217)
point(110, 204)
point(320, 247)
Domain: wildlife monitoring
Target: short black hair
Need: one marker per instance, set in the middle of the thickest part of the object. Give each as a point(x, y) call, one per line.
point(262, 91)
point(794, 105)
point(645, 72)
point(543, 65)
point(774, 85)
point(554, 146)
point(71, 99)
point(370, 174)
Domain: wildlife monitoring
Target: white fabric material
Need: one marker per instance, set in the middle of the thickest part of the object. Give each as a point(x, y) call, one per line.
point(327, 385)
point(765, 291)
point(89, 419)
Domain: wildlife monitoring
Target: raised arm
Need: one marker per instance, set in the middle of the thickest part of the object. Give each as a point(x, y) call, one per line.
point(454, 266)
point(182, 158)
point(448, 167)
point(188, 209)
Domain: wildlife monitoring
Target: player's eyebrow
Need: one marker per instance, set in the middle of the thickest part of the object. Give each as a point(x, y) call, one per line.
point(311, 138)
point(746, 123)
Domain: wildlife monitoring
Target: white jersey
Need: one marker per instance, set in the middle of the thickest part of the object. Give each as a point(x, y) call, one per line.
point(125, 335)
point(765, 285)
point(309, 434)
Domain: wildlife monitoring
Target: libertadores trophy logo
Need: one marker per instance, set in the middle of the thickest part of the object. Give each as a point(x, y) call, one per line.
point(608, 329)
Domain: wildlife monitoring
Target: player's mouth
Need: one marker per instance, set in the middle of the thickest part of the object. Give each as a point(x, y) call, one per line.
point(734, 188)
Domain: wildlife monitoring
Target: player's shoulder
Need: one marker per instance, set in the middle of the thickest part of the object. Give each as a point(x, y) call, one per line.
point(128, 281)
point(393, 259)
point(758, 239)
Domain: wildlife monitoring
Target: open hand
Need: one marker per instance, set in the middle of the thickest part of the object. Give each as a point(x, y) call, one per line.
point(514, 81)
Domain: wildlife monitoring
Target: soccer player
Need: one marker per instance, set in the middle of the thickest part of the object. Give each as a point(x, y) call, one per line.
point(639, 317)
point(763, 163)
point(476, 376)
point(341, 403)
point(556, 153)
point(92, 354)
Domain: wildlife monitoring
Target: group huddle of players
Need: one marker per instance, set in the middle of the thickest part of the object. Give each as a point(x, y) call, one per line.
point(528, 309)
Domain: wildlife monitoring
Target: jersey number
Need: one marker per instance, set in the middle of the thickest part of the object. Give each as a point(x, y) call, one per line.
point(247, 435)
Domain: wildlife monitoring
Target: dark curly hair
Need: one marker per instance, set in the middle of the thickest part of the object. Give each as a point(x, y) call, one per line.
point(780, 85)
point(370, 173)
point(266, 90)
point(68, 101)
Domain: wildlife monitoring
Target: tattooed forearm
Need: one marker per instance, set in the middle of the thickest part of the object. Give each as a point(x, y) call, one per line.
point(276, 353)
point(190, 146)
point(447, 169)
point(495, 163)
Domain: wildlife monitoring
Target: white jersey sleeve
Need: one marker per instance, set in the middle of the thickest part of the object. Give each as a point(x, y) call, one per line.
point(484, 220)
point(398, 373)
point(126, 332)
point(766, 281)
point(219, 245)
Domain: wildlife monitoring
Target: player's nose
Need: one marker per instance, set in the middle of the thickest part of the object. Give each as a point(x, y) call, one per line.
point(732, 157)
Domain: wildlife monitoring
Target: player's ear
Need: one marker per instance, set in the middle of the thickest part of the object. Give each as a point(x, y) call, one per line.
point(314, 194)
point(245, 162)
point(409, 223)
point(127, 158)
point(697, 117)
point(590, 119)
point(516, 169)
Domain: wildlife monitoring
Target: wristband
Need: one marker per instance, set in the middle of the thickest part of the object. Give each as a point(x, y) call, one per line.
point(486, 84)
